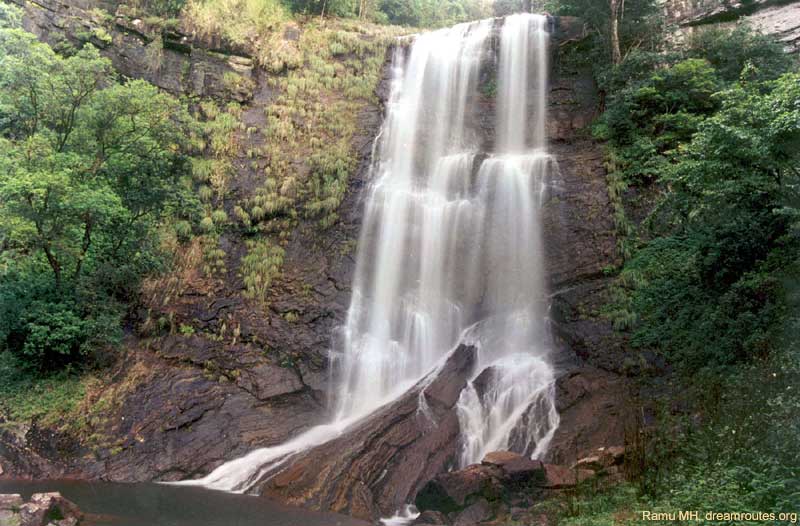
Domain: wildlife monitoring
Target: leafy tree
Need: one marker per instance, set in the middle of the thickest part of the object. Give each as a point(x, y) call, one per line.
point(708, 290)
point(433, 13)
point(617, 27)
point(729, 51)
point(87, 168)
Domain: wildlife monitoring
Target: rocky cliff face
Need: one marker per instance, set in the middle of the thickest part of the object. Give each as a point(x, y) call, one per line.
point(181, 63)
point(780, 18)
point(179, 405)
point(580, 243)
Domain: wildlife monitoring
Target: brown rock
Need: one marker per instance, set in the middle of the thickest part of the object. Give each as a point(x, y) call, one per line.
point(602, 459)
point(474, 513)
point(516, 468)
point(593, 463)
point(9, 504)
point(614, 455)
point(10, 501)
point(580, 397)
point(559, 477)
point(472, 480)
point(45, 507)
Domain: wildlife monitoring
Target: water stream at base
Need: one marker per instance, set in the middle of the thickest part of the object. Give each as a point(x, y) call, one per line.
point(450, 248)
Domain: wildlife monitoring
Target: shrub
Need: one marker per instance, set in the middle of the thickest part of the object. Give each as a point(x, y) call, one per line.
point(259, 267)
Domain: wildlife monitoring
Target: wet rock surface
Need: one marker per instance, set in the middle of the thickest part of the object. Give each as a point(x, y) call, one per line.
point(580, 240)
point(373, 469)
point(197, 404)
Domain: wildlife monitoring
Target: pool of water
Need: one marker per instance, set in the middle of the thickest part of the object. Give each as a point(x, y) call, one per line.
point(147, 504)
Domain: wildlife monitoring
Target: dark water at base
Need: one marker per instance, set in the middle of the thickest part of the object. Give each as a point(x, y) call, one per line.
point(113, 504)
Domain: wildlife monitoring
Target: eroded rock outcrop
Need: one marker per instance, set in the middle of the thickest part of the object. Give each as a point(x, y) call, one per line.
point(778, 18)
point(376, 467)
point(181, 63)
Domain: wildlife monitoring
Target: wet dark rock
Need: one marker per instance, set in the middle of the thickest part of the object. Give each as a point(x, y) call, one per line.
point(193, 403)
point(430, 517)
point(497, 479)
point(453, 491)
point(594, 409)
point(18, 459)
point(382, 462)
point(474, 513)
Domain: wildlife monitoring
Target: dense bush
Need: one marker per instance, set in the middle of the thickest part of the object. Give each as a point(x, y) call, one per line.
point(729, 51)
point(706, 288)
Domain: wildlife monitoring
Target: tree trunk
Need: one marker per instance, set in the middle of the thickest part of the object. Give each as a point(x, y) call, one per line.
point(616, 10)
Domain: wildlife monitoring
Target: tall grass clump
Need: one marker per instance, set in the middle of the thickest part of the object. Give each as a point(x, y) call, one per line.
point(239, 21)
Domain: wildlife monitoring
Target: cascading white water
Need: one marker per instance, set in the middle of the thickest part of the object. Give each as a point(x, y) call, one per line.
point(450, 248)
point(511, 405)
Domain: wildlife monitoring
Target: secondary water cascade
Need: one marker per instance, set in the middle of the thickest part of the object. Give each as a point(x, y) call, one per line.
point(450, 248)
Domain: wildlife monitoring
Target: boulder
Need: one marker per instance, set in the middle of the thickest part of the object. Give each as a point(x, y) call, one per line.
point(474, 513)
point(601, 459)
point(10, 501)
point(453, 491)
point(9, 505)
point(560, 477)
point(515, 467)
point(45, 509)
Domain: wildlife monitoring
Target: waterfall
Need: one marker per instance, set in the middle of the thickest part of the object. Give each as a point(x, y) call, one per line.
point(510, 405)
point(450, 247)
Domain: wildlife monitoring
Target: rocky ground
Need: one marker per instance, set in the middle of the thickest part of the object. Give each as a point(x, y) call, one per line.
point(43, 509)
point(505, 486)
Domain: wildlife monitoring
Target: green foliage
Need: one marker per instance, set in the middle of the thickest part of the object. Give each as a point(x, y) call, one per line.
point(88, 167)
point(648, 119)
point(259, 267)
point(10, 16)
point(314, 119)
point(161, 8)
point(730, 51)
point(48, 401)
point(706, 137)
point(639, 27)
point(239, 21)
point(433, 13)
point(743, 456)
point(708, 290)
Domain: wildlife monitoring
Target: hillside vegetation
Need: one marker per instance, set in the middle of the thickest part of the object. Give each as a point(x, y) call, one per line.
point(703, 148)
